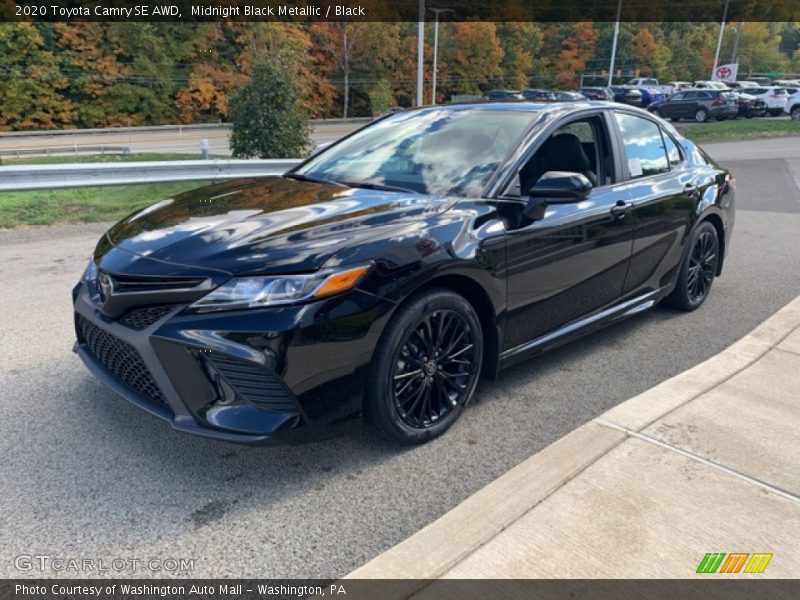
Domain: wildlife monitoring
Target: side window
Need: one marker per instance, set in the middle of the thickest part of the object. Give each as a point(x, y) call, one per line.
point(678, 96)
point(644, 146)
point(704, 95)
point(581, 146)
point(673, 151)
point(691, 95)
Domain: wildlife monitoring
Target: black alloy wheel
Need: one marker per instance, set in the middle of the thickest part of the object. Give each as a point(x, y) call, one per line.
point(426, 367)
point(698, 269)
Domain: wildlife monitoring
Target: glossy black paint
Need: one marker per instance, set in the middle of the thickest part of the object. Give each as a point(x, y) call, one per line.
point(535, 279)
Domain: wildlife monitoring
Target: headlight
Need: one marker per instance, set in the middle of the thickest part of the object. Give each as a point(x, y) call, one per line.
point(259, 292)
point(90, 274)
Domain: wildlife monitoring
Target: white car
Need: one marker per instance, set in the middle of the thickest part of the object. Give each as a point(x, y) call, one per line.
point(775, 98)
point(710, 85)
point(738, 85)
point(792, 107)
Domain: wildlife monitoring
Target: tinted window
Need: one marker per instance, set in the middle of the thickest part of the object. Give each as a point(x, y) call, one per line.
point(434, 151)
point(704, 95)
point(691, 95)
point(644, 147)
point(677, 97)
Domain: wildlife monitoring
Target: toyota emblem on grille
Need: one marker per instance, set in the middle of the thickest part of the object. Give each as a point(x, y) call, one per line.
point(106, 285)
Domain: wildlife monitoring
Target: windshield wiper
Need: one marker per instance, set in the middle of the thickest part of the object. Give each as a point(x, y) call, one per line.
point(378, 186)
point(303, 177)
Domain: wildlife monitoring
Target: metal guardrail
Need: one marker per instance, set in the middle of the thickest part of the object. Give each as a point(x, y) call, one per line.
point(74, 149)
point(40, 177)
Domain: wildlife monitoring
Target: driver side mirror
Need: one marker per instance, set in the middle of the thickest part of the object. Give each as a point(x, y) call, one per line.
point(557, 187)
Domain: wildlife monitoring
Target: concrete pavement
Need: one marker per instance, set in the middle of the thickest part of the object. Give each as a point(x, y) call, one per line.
point(703, 462)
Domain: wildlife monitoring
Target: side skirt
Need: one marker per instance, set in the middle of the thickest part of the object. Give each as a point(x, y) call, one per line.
point(584, 326)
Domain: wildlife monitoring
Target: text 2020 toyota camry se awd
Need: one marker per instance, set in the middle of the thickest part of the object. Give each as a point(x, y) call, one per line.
point(387, 273)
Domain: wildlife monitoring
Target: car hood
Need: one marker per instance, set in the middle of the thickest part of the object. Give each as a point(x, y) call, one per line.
point(265, 225)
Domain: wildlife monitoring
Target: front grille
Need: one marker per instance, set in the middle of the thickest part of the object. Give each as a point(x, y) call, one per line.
point(119, 358)
point(253, 384)
point(142, 318)
point(136, 283)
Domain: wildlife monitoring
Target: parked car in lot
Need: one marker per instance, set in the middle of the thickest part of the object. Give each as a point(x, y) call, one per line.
point(749, 106)
point(562, 96)
point(760, 81)
point(387, 273)
point(774, 97)
point(597, 93)
point(705, 84)
point(539, 95)
point(500, 95)
point(625, 95)
point(793, 106)
point(741, 85)
point(651, 95)
point(700, 105)
point(678, 86)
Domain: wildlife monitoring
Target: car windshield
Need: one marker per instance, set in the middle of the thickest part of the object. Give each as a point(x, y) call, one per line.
point(438, 151)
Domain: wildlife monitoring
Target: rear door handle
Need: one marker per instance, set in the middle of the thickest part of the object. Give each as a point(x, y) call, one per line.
point(621, 207)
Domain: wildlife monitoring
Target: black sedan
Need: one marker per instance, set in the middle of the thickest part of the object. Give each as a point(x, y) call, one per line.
point(597, 93)
point(626, 95)
point(388, 273)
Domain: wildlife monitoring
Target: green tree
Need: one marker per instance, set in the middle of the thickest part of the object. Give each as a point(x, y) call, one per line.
point(380, 97)
point(267, 119)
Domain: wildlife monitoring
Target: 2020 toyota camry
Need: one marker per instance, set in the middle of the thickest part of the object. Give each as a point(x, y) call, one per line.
point(384, 275)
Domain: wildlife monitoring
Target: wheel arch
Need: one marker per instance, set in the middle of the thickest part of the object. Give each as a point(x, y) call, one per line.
point(480, 300)
point(716, 221)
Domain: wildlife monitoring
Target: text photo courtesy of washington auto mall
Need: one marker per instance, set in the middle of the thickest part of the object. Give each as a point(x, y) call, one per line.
point(393, 299)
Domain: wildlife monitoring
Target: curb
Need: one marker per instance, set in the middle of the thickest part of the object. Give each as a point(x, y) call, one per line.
point(433, 550)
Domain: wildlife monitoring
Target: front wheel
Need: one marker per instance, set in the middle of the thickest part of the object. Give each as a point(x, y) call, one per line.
point(425, 368)
point(697, 270)
point(795, 114)
point(701, 115)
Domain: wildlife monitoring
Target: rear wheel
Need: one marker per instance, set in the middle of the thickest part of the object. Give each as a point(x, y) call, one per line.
point(425, 368)
point(701, 115)
point(697, 270)
point(795, 113)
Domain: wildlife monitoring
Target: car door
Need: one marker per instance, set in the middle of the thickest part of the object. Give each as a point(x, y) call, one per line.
point(663, 193)
point(571, 261)
point(689, 105)
point(672, 107)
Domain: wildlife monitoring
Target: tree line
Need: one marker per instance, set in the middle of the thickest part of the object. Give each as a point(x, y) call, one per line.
point(59, 75)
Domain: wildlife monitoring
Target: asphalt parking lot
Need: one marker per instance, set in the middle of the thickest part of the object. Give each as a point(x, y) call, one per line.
point(85, 475)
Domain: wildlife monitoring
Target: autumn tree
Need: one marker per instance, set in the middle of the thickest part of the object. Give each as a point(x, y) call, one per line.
point(521, 42)
point(31, 82)
point(577, 48)
point(471, 57)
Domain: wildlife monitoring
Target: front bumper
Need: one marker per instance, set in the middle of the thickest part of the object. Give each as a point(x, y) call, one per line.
point(277, 375)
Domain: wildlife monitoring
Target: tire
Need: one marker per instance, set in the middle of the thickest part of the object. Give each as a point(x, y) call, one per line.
point(413, 393)
point(697, 270)
point(701, 115)
point(774, 112)
point(795, 113)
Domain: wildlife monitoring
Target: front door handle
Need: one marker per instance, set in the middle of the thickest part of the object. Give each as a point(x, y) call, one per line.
point(691, 189)
point(621, 207)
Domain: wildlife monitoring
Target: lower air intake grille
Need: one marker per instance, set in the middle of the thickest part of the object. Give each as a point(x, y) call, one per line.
point(254, 384)
point(120, 359)
point(142, 318)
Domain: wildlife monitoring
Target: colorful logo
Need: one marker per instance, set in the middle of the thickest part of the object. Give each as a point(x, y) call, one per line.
point(735, 562)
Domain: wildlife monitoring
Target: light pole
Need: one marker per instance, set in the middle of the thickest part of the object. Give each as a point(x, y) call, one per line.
point(437, 12)
point(420, 50)
point(614, 46)
point(719, 41)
